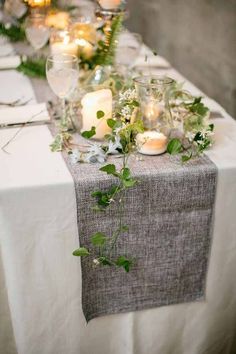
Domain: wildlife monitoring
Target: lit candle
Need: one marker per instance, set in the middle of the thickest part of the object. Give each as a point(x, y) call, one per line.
point(93, 102)
point(85, 48)
point(152, 111)
point(39, 3)
point(85, 37)
point(109, 4)
point(151, 143)
point(65, 46)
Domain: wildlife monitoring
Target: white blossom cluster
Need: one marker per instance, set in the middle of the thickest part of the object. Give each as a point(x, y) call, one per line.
point(129, 95)
point(96, 153)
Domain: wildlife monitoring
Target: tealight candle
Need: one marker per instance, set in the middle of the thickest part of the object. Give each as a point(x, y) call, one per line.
point(109, 4)
point(93, 102)
point(151, 143)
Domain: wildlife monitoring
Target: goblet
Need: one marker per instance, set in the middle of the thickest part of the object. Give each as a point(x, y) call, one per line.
point(62, 74)
point(128, 48)
point(37, 31)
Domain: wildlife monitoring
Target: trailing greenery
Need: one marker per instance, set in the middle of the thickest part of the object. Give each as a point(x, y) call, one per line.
point(106, 49)
point(15, 33)
point(33, 67)
point(198, 133)
point(194, 136)
point(121, 141)
point(102, 245)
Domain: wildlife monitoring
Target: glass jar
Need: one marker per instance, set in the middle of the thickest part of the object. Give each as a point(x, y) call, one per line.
point(62, 42)
point(153, 95)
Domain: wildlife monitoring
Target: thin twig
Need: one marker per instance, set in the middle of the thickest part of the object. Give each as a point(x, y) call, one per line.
point(18, 131)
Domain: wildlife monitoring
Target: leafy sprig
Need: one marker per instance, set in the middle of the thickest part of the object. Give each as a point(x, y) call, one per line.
point(102, 245)
point(201, 141)
point(106, 48)
point(33, 67)
point(15, 33)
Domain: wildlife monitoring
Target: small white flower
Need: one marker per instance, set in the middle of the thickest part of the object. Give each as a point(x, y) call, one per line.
point(126, 112)
point(128, 95)
point(75, 156)
point(114, 146)
point(8, 25)
point(96, 262)
point(190, 136)
point(95, 154)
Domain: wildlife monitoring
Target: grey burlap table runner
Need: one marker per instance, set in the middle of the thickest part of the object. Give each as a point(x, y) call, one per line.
point(169, 215)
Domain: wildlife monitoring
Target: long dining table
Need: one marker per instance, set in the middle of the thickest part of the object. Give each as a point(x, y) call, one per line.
point(40, 280)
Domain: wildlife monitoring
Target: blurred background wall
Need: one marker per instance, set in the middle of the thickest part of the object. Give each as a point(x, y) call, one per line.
point(198, 37)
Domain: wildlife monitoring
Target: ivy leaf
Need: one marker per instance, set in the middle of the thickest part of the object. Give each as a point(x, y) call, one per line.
point(174, 147)
point(110, 169)
point(129, 183)
point(105, 261)
point(124, 262)
point(81, 252)
point(211, 127)
point(198, 137)
point(89, 133)
point(100, 114)
point(126, 173)
point(98, 239)
point(186, 158)
point(111, 123)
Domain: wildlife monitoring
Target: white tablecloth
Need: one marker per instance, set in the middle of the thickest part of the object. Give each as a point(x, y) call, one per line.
point(40, 305)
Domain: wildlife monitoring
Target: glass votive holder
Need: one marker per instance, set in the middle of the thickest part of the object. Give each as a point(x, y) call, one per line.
point(15, 8)
point(62, 42)
point(128, 48)
point(85, 36)
point(153, 95)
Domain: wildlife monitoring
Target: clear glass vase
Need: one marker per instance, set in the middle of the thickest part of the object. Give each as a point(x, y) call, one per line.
point(153, 95)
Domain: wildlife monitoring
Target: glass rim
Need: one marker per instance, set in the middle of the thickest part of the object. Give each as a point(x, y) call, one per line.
point(145, 80)
point(62, 58)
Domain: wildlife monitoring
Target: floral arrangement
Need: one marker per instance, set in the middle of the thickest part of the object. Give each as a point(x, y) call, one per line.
point(191, 140)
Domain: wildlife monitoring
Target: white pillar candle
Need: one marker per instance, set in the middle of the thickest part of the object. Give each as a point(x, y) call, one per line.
point(93, 102)
point(65, 46)
point(151, 143)
point(109, 4)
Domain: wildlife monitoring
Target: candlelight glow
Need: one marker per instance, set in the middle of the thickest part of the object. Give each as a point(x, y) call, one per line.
point(58, 20)
point(38, 3)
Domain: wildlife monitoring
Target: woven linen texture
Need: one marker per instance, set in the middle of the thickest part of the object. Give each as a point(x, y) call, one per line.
point(169, 214)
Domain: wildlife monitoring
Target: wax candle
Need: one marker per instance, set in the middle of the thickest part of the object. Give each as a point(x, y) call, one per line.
point(93, 102)
point(151, 143)
point(109, 4)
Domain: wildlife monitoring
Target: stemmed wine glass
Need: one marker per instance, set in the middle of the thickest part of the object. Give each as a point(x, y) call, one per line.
point(37, 31)
point(62, 74)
